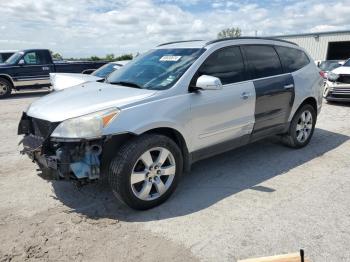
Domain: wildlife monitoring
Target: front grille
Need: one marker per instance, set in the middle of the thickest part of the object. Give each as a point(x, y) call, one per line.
point(341, 90)
point(344, 79)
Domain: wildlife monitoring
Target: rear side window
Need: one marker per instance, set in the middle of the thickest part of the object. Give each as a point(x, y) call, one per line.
point(225, 64)
point(262, 61)
point(292, 59)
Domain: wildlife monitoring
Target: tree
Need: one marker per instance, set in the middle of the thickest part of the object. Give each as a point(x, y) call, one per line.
point(56, 56)
point(230, 32)
point(95, 58)
point(110, 57)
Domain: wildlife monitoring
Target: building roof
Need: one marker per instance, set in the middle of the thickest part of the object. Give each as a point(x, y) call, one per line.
point(314, 33)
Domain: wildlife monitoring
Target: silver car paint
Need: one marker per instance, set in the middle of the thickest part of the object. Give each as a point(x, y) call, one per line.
point(203, 118)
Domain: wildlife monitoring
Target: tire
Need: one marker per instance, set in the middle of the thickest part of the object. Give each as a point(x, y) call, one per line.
point(300, 132)
point(5, 88)
point(135, 177)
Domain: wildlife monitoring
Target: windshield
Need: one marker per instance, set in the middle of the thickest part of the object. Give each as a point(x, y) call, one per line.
point(329, 65)
point(158, 69)
point(14, 58)
point(105, 70)
point(347, 63)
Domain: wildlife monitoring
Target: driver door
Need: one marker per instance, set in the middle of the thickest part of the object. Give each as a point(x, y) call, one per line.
point(34, 71)
point(226, 115)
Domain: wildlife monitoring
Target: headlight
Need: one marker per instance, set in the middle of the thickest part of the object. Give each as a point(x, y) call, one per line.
point(332, 76)
point(87, 126)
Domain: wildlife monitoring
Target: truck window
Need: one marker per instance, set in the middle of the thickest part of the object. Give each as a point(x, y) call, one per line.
point(31, 58)
point(226, 64)
point(262, 61)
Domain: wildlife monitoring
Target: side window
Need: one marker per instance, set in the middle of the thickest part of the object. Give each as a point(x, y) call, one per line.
point(292, 59)
point(262, 61)
point(31, 58)
point(226, 64)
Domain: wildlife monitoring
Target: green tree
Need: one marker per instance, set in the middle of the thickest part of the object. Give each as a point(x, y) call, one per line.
point(95, 58)
point(124, 57)
point(56, 56)
point(230, 32)
point(110, 57)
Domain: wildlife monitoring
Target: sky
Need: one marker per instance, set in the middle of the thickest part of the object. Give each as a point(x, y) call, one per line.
point(82, 28)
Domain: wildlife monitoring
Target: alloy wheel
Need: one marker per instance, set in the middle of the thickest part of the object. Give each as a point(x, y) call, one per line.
point(153, 174)
point(304, 126)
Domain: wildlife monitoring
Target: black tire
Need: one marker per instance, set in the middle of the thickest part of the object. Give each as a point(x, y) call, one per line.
point(126, 158)
point(6, 88)
point(290, 139)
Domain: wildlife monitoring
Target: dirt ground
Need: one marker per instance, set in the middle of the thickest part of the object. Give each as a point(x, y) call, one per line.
point(259, 200)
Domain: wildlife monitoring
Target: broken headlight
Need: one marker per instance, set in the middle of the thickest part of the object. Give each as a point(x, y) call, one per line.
point(87, 126)
point(332, 76)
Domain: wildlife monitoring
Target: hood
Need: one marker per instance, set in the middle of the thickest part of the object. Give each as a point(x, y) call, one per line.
point(84, 99)
point(61, 81)
point(343, 70)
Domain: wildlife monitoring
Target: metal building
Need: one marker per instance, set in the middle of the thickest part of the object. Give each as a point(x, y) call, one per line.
point(323, 45)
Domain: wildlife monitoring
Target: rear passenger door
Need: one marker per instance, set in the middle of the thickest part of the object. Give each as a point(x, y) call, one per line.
point(274, 89)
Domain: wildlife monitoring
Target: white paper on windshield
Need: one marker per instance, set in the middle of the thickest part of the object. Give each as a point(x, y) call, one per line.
point(171, 58)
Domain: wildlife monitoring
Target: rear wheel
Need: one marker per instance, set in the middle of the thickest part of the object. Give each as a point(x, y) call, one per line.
point(5, 88)
point(145, 171)
point(301, 128)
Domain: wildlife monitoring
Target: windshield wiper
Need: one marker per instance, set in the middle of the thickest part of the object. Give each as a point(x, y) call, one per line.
point(126, 83)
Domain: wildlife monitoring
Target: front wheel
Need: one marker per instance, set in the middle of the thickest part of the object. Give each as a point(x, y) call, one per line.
point(145, 171)
point(5, 88)
point(301, 128)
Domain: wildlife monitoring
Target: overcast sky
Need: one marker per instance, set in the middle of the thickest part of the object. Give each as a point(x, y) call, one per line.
point(81, 28)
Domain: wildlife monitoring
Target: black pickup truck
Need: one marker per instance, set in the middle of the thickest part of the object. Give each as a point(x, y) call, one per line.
point(31, 68)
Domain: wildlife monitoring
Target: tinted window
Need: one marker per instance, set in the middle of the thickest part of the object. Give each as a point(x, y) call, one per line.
point(262, 61)
point(292, 59)
point(226, 64)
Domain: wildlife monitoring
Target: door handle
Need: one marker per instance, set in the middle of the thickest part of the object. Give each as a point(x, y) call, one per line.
point(245, 95)
point(288, 86)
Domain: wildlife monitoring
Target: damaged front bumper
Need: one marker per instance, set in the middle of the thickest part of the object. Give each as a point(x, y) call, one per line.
point(335, 91)
point(77, 159)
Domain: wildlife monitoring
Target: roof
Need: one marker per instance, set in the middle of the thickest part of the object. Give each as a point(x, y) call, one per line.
point(202, 43)
point(314, 34)
point(8, 51)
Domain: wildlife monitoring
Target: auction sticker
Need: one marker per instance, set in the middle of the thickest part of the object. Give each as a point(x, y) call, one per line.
point(171, 58)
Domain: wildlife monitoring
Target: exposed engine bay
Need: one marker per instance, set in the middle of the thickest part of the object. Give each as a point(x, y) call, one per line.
point(77, 159)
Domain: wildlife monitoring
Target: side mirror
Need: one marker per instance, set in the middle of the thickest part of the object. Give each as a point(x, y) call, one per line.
point(206, 82)
point(21, 62)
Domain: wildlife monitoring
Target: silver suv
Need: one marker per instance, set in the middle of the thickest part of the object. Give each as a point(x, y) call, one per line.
point(178, 103)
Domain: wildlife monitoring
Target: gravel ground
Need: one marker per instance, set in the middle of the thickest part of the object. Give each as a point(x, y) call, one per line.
point(260, 200)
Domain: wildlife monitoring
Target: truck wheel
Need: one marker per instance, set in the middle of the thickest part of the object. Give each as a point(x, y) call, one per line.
point(301, 128)
point(5, 88)
point(145, 171)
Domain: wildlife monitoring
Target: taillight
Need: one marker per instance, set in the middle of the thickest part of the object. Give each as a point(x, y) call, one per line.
point(323, 74)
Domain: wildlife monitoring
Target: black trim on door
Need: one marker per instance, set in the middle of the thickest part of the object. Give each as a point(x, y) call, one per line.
point(274, 102)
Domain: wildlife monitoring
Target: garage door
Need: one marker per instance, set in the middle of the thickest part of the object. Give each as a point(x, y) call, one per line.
point(338, 50)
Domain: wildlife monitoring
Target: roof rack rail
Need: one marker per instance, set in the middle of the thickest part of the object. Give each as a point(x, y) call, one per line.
point(175, 42)
point(249, 37)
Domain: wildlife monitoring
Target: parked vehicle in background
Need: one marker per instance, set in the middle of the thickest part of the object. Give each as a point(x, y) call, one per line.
point(5, 54)
point(61, 81)
point(178, 103)
point(337, 87)
point(329, 65)
point(31, 68)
